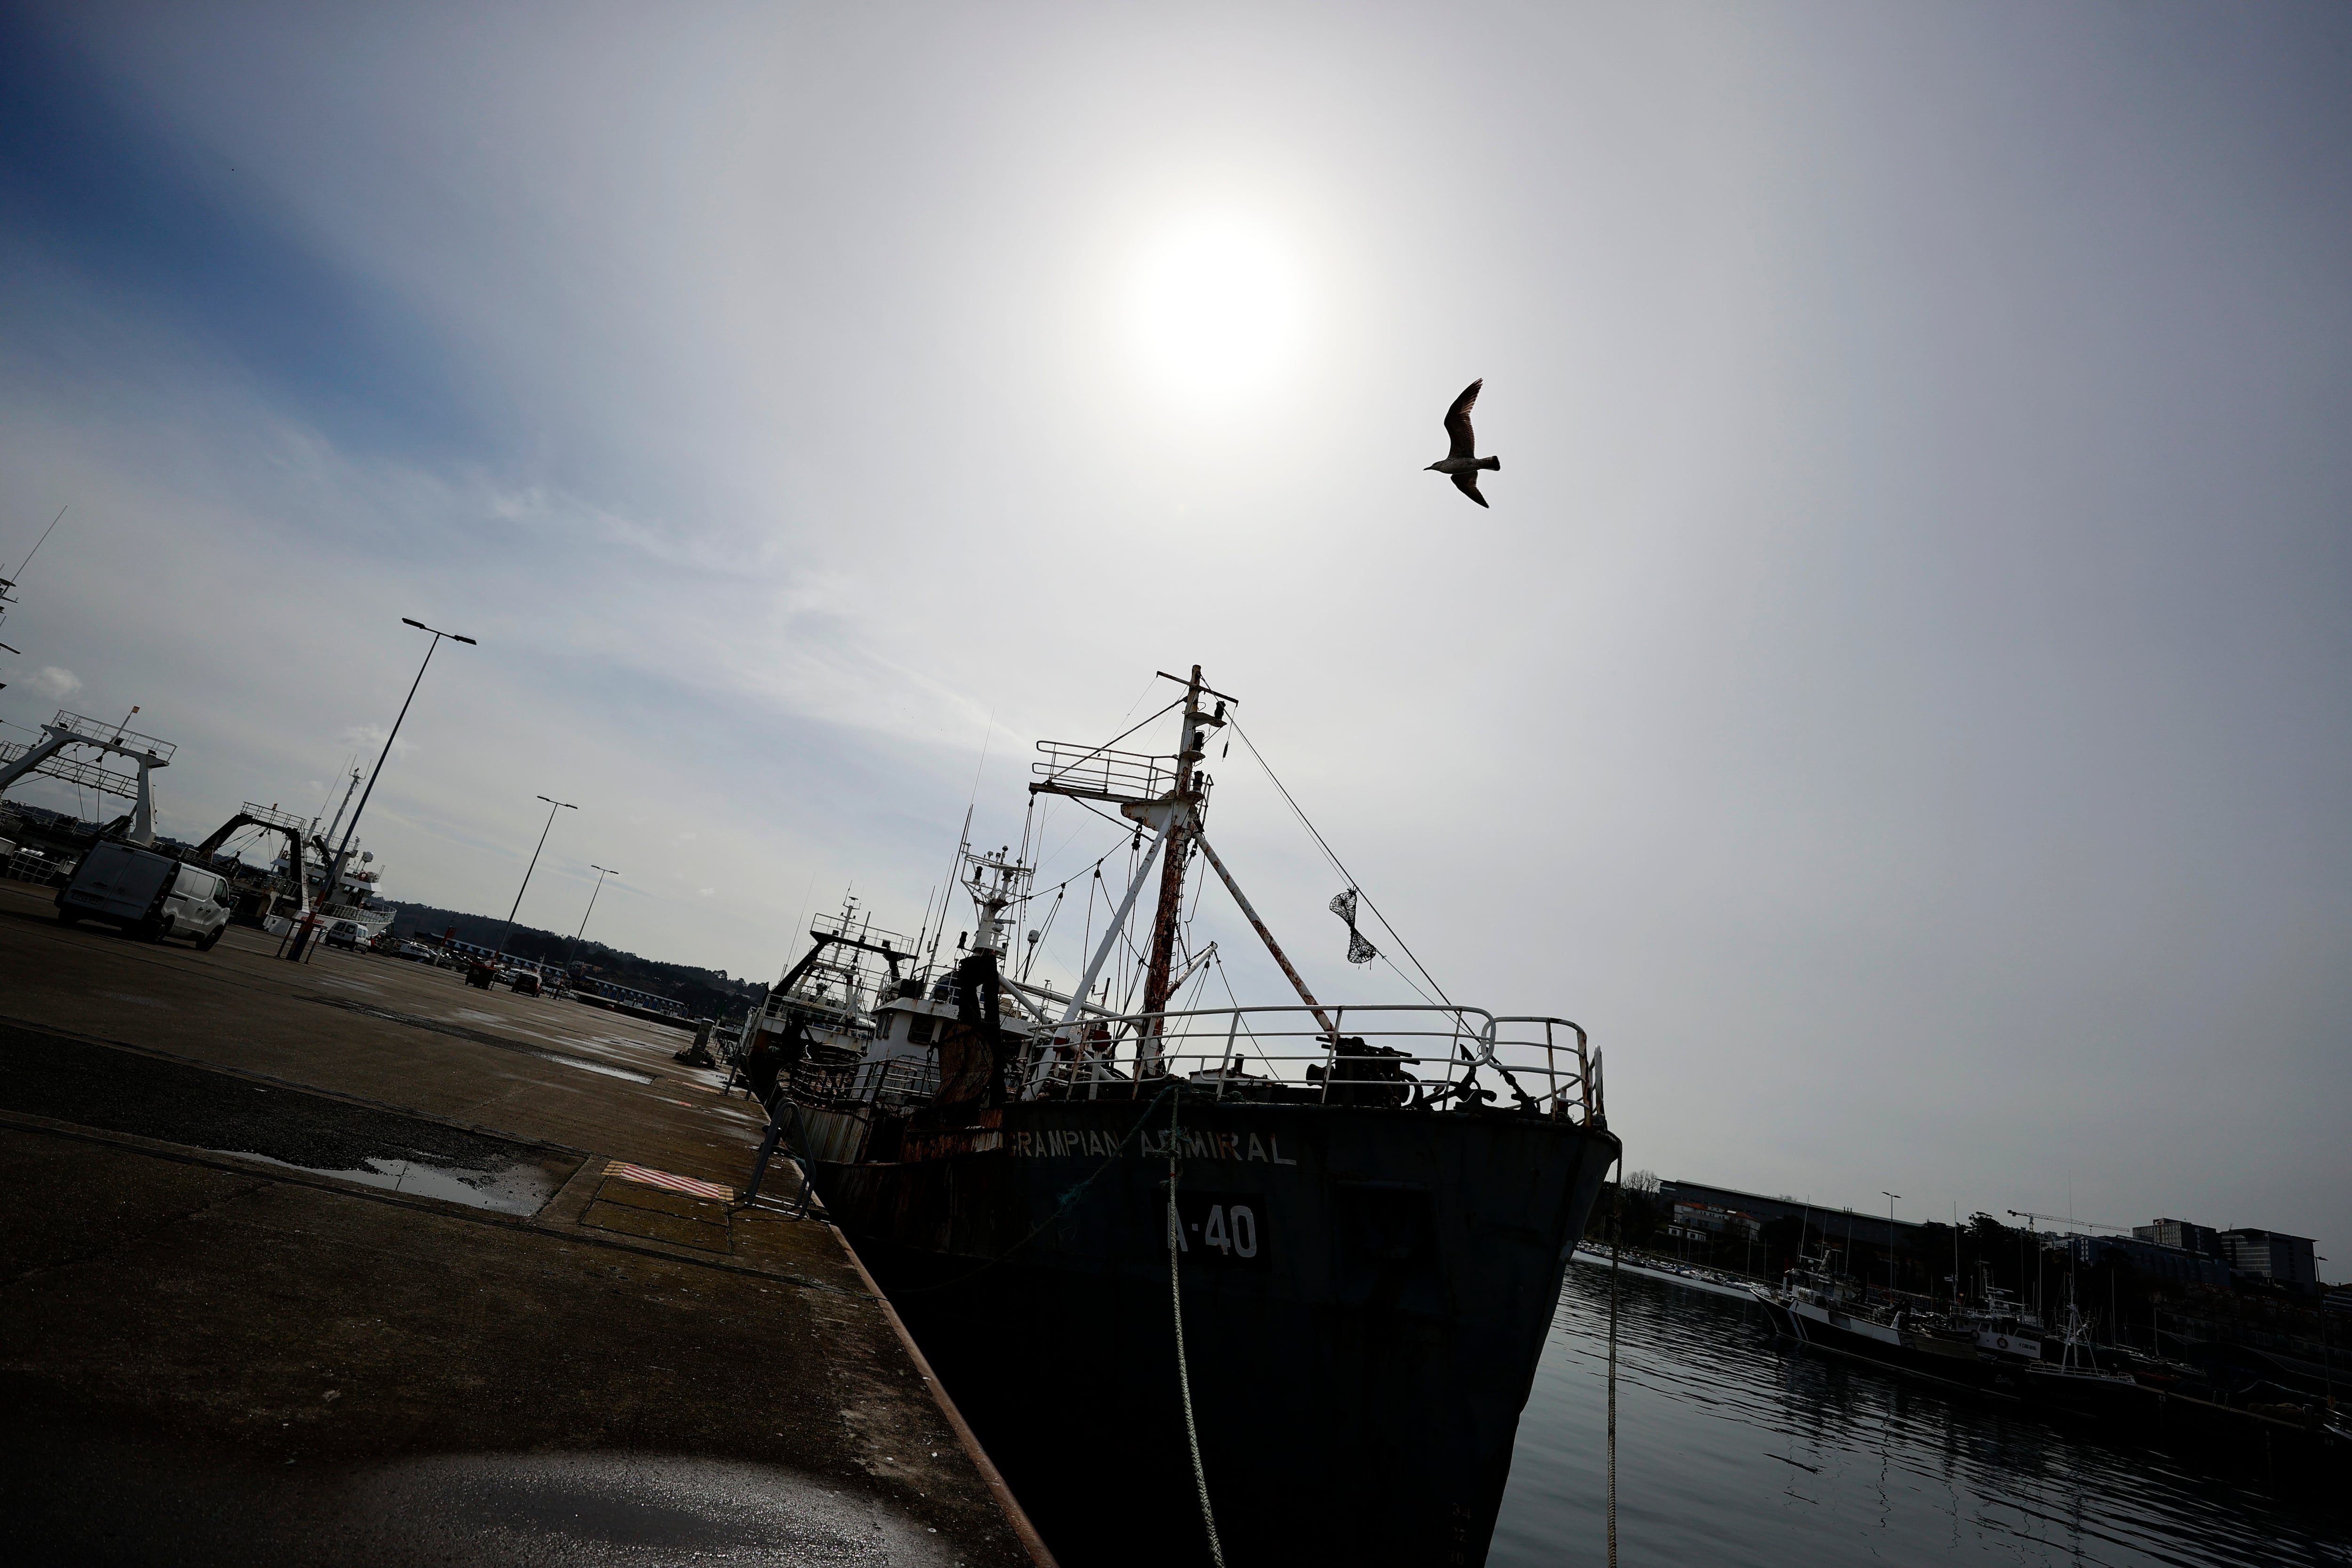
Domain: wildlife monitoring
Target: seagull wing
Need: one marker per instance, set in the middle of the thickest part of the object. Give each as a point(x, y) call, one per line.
point(1467, 483)
point(1458, 422)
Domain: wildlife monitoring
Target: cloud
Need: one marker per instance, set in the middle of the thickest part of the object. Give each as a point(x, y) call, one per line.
point(1848, 704)
point(57, 683)
point(369, 739)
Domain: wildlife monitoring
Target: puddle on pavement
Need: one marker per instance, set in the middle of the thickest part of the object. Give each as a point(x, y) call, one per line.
point(584, 1065)
point(511, 1189)
point(99, 1497)
point(592, 1509)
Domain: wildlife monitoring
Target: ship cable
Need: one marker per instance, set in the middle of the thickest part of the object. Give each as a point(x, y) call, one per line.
point(1256, 1044)
point(1616, 1234)
point(1176, 1304)
point(1343, 872)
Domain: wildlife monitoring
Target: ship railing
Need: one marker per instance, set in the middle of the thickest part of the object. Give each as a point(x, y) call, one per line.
point(818, 1082)
point(1411, 1055)
point(901, 1080)
point(1103, 774)
point(100, 732)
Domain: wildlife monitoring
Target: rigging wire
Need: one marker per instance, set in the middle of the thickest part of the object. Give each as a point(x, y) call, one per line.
point(1125, 827)
point(1176, 1310)
point(1029, 959)
point(1408, 979)
point(1401, 944)
point(1616, 1230)
point(1087, 940)
point(1084, 869)
point(1114, 741)
point(1192, 854)
point(45, 538)
point(1064, 844)
point(1256, 1044)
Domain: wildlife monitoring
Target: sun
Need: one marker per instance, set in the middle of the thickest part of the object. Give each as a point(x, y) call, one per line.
point(1215, 307)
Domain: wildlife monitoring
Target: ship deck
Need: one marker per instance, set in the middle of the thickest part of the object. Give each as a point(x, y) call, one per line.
point(332, 1262)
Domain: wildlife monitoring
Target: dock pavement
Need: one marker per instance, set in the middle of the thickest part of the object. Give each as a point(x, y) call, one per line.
point(344, 1262)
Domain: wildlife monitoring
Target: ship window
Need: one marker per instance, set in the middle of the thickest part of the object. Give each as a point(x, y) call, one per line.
point(918, 1029)
point(889, 1021)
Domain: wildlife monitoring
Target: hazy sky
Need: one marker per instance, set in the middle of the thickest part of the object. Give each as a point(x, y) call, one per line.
point(1898, 700)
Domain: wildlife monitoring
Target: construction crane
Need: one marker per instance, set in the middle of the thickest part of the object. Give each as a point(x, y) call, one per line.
point(2078, 1224)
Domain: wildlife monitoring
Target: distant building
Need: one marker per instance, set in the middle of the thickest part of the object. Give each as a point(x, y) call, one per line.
point(1704, 1219)
point(2155, 1259)
point(1760, 1210)
point(2283, 1259)
point(2202, 1240)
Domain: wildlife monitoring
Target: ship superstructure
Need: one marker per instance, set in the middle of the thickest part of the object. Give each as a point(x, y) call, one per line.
point(1365, 1209)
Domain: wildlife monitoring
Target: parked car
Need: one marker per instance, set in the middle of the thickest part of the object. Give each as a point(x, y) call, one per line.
point(344, 933)
point(523, 983)
point(149, 895)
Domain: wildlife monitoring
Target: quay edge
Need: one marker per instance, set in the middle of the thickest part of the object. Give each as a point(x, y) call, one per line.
point(216, 1359)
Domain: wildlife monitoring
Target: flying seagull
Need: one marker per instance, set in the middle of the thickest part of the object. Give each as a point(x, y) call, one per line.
point(1460, 460)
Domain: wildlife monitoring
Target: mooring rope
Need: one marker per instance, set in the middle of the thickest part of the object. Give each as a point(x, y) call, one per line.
point(1616, 1231)
point(1184, 1377)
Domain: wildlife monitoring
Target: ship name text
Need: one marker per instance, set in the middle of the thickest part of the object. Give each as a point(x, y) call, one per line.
point(1159, 1142)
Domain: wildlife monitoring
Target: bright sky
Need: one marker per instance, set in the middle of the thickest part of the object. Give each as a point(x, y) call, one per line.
point(1897, 701)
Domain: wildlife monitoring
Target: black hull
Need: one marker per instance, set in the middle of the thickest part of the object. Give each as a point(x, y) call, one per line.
point(1356, 1382)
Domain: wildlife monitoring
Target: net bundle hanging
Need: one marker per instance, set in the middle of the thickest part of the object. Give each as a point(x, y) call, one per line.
point(1358, 950)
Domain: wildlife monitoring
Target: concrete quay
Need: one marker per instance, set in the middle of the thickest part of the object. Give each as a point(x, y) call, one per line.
point(345, 1263)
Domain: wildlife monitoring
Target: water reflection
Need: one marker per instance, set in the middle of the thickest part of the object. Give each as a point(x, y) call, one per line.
point(1732, 1451)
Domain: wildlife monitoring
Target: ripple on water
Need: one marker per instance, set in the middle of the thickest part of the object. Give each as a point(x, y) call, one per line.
point(1730, 1452)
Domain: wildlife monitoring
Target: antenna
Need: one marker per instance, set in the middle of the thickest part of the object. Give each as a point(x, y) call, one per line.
point(955, 867)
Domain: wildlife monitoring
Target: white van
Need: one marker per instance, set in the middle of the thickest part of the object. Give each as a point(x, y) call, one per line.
point(151, 895)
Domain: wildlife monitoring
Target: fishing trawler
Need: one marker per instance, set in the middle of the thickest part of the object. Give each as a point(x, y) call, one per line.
point(1279, 1272)
point(1993, 1344)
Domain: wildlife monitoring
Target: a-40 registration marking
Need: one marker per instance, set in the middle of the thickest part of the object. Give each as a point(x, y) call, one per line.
point(1222, 1229)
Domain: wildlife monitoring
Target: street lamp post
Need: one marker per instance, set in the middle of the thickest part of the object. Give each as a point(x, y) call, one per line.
point(1890, 1198)
point(335, 869)
point(553, 806)
point(602, 872)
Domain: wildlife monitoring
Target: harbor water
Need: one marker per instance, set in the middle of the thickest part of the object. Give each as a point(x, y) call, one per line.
point(1734, 1448)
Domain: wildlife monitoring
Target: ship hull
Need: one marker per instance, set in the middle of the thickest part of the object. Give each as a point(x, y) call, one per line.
point(1365, 1293)
point(1955, 1362)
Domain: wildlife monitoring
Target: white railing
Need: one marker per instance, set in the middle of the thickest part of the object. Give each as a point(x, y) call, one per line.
point(99, 732)
point(1102, 773)
point(1404, 1055)
point(815, 1082)
point(900, 1080)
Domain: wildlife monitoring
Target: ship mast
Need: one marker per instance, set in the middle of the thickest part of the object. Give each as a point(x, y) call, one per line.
point(1184, 801)
point(1134, 783)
